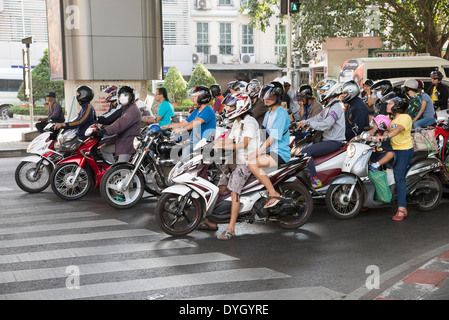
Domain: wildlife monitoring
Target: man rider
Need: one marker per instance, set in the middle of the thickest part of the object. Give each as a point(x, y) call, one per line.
point(356, 113)
point(438, 92)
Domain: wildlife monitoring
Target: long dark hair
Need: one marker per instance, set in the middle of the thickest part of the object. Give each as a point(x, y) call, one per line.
point(163, 91)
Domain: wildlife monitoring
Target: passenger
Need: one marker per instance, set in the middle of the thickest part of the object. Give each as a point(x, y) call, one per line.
point(356, 113)
point(115, 109)
point(276, 150)
point(382, 88)
point(402, 143)
point(383, 154)
point(259, 110)
point(416, 108)
point(428, 116)
point(438, 92)
point(368, 96)
point(215, 89)
point(332, 122)
point(244, 139)
point(54, 114)
point(86, 117)
point(166, 111)
point(126, 128)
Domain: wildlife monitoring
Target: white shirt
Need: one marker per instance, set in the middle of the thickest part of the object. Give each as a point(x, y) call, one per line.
point(250, 130)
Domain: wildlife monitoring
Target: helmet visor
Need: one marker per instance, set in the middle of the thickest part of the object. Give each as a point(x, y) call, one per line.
point(268, 93)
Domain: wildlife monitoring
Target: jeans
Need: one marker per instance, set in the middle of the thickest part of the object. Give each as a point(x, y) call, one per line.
point(402, 159)
point(108, 152)
point(319, 150)
point(423, 123)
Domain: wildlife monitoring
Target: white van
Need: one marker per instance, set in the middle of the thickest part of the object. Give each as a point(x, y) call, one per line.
point(10, 81)
point(387, 68)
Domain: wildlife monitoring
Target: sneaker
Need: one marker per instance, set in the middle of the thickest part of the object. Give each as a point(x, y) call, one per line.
point(316, 184)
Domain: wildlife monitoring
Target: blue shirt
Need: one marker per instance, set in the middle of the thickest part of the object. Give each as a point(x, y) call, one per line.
point(165, 111)
point(207, 128)
point(429, 112)
point(277, 124)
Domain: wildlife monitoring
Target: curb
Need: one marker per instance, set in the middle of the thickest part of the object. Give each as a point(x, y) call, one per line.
point(14, 126)
point(13, 153)
point(430, 282)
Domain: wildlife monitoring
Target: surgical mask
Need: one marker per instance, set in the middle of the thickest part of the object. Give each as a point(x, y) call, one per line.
point(124, 99)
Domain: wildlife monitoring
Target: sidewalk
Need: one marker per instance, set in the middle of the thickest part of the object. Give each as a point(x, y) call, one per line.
point(13, 149)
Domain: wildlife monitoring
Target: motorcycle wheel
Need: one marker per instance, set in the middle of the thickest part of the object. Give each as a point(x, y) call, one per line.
point(340, 207)
point(303, 205)
point(178, 224)
point(26, 180)
point(433, 182)
point(62, 176)
point(115, 198)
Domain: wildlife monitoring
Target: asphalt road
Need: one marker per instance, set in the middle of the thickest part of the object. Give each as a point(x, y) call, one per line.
point(46, 242)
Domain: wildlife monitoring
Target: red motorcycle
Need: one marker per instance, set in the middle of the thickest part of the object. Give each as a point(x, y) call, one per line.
point(74, 176)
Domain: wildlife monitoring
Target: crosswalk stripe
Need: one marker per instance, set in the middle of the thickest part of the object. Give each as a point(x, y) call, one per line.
point(3, 189)
point(63, 226)
point(45, 217)
point(31, 210)
point(69, 238)
point(113, 266)
point(142, 285)
point(93, 251)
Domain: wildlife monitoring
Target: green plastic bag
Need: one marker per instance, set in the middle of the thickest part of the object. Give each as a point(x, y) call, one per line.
point(380, 181)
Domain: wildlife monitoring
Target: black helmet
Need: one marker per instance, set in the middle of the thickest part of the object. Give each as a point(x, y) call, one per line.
point(384, 85)
point(274, 88)
point(127, 90)
point(305, 91)
point(84, 94)
point(368, 82)
point(352, 89)
point(401, 103)
point(215, 89)
point(203, 93)
point(436, 74)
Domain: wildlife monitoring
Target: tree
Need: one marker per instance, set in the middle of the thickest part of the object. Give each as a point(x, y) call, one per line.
point(422, 26)
point(175, 84)
point(42, 84)
point(201, 76)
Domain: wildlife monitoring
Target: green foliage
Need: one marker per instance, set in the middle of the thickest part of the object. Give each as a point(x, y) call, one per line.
point(37, 110)
point(42, 84)
point(201, 76)
point(175, 84)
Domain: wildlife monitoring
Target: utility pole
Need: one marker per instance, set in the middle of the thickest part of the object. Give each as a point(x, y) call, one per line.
point(27, 78)
point(289, 41)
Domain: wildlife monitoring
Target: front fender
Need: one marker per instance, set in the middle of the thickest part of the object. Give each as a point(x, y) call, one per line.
point(36, 159)
point(181, 190)
point(78, 159)
point(345, 178)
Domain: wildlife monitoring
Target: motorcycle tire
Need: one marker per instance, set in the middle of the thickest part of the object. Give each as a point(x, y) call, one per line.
point(115, 198)
point(337, 206)
point(28, 183)
point(62, 174)
point(300, 194)
point(435, 182)
point(170, 222)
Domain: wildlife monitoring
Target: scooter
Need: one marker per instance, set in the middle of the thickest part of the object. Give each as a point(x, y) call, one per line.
point(352, 190)
point(194, 198)
point(33, 173)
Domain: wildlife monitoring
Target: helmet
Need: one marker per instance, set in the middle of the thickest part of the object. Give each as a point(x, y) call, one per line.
point(304, 91)
point(286, 81)
point(128, 91)
point(203, 93)
point(436, 74)
point(332, 93)
point(384, 85)
point(401, 103)
point(243, 105)
point(237, 85)
point(420, 84)
point(275, 89)
point(112, 93)
point(382, 122)
point(85, 94)
point(253, 89)
point(215, 89)
point(368, 82)
point(154, 130)
point(352, 89)
point(411, 84)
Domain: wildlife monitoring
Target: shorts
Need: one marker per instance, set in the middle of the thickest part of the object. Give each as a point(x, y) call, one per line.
point(276, 158)
point(237, 180)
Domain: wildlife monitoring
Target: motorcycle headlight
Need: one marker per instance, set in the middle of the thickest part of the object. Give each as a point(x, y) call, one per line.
point(351, 150)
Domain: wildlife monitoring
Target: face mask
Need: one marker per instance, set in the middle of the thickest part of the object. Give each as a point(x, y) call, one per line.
point(124, 100)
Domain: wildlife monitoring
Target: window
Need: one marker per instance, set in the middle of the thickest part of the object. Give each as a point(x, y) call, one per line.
point(225, 2)
point(446, 70)
point(281, 40)
point(247, 39)
point(169, 33)
point(202, 38)
point(10, 85)
point(225, 38)
point(377, 74)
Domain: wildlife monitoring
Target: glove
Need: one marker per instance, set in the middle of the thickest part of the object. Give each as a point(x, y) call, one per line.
point(99, 134)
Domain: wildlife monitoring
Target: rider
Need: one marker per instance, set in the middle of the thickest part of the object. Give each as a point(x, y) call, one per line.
point(259, 110)
point(243, 139)
point(438, 92)
point(86, 116)
point(276, 150)
point(356, 113)
point(165, 112)
point(115, 109)
point(310, 107)
point(294, 106)
point(215, 89)
point(55, 112)
point(332, 122)
point(382, 89)
point(127, 127)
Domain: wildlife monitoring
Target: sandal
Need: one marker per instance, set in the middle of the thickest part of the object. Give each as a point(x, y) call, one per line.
point(398, 217)
point(225, 236)
point(275, 203)
point(205, 227)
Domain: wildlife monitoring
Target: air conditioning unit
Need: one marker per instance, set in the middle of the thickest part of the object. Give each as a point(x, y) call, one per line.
point(202, 4)
point(198, 58)
point(215, 59)
point(247, 58)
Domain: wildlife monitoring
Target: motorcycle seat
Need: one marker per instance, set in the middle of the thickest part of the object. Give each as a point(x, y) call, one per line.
point(329, 156)
point(418, 156)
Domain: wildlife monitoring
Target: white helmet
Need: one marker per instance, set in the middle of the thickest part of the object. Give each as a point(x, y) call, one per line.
point(242, 103)
point(286, 80)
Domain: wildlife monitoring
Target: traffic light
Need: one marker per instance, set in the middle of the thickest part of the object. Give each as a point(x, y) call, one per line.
point(295, 6)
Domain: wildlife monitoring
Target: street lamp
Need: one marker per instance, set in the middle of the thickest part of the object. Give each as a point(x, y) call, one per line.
point(27, 79)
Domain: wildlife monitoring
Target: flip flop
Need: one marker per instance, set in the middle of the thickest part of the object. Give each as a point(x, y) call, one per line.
point(275, 203)
point(225, 236)
point(206, 227)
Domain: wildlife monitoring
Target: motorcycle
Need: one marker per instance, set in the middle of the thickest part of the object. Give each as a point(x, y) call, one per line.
point(352, 190)
point(74, 175)
point(194, 198)
point(442, 135)
point(124, 184)
point(33, 173)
